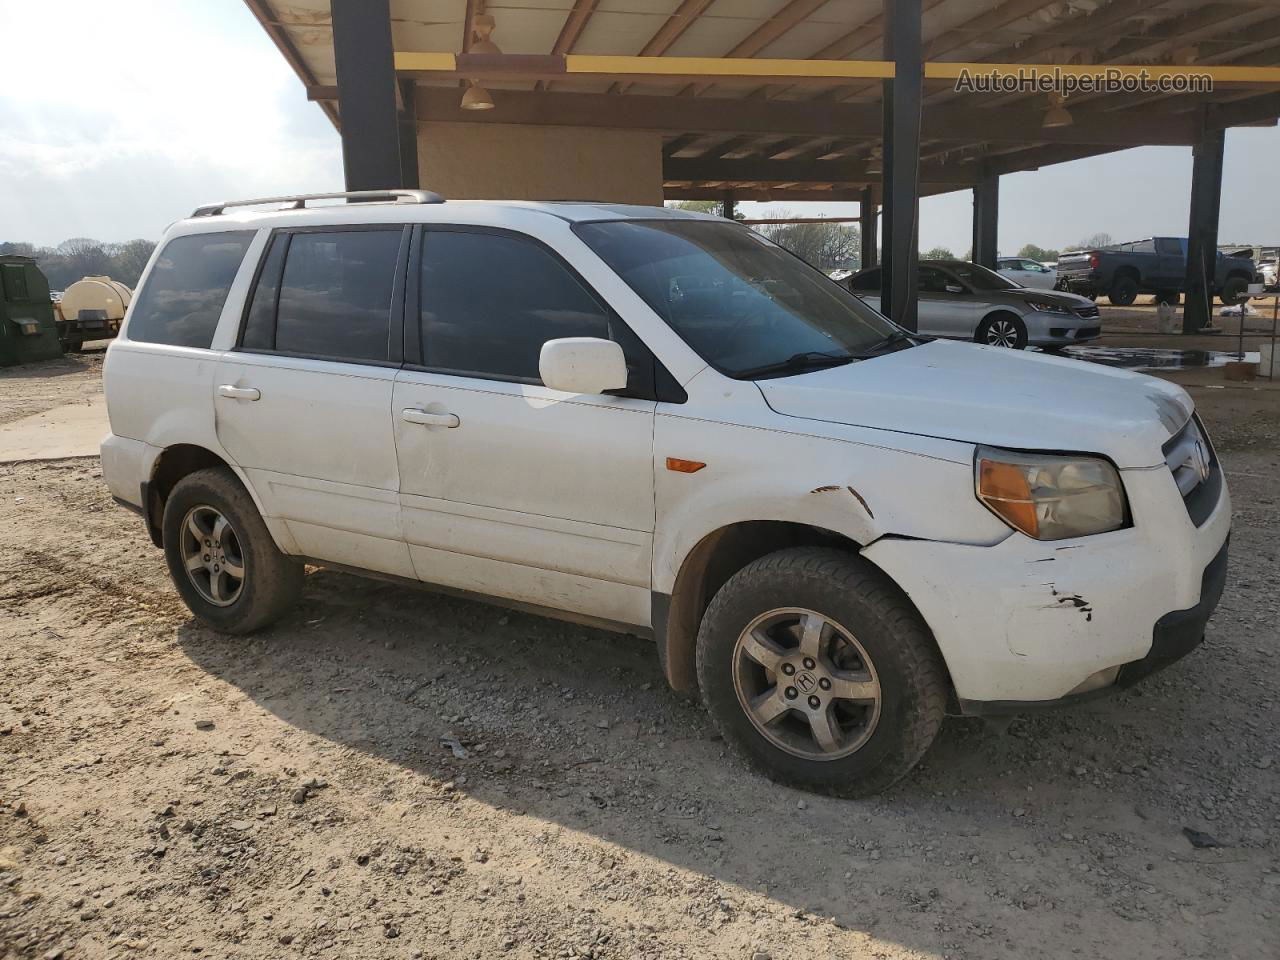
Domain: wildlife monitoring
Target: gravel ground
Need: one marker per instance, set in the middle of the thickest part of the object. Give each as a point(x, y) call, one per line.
point(392, 774)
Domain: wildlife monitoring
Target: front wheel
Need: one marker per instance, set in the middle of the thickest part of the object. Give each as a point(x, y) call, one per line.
point(819, 671)
point(1003, 330)
point(1234, 291)
point(221, 556)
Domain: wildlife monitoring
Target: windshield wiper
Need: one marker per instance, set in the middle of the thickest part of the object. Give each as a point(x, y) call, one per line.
point(797, 363)
point(898, 336)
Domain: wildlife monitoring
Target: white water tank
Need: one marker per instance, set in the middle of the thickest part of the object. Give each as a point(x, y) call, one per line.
point(111, 297)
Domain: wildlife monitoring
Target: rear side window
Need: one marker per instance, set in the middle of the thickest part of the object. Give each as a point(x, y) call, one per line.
point(182, 299)
point(334, 299)
point(489, 302)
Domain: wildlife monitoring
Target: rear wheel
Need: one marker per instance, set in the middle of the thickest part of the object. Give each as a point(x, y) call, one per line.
point(815, 667)
point(1171, 297)
point(1234, 291)
point(221, 556)
point(1124, 290)
point(1003, 330)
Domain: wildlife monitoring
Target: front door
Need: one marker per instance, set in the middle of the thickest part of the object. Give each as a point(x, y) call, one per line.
point(947, 308)
point(509, 488)
point(303, 402)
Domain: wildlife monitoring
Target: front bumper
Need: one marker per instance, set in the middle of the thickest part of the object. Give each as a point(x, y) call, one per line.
point(1060, 329)
point(1025, 623)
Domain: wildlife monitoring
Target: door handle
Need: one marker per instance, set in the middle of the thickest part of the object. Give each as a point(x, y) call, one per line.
point(413, 415)
point(239, 393)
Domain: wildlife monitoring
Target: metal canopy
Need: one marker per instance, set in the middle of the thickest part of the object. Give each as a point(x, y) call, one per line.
point(739, 109)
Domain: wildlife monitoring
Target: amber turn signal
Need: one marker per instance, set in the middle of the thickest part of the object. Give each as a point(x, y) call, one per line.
point(684, 466)
point(1003, 487)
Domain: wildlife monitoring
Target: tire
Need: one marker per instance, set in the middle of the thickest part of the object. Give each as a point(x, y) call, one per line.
point(877, 636)
point(1002, 330)
point(1124, 290)
point(1171, 297)
point(1235, 290)
point(269, 582)
point(73, 346)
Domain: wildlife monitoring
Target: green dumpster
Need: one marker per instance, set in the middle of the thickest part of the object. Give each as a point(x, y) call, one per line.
point(27, 330)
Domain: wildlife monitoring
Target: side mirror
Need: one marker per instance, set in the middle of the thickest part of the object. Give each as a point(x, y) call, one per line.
point(954, 288)
point(582, 365)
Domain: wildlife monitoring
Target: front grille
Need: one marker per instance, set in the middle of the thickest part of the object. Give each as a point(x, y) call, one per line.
point(1195, 468)
point(1088, 313)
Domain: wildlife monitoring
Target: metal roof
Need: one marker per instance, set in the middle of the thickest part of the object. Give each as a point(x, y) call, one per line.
point(793, 138)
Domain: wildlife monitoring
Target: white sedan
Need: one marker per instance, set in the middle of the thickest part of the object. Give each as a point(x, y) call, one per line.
point(1028, 273)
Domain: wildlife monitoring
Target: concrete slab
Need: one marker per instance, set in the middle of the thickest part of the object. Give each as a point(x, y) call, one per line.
point(70, 430)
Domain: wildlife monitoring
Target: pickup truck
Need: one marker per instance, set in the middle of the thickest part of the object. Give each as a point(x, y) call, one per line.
point(1156, 265)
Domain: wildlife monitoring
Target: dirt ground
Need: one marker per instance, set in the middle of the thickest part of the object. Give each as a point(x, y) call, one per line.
point(392, 774)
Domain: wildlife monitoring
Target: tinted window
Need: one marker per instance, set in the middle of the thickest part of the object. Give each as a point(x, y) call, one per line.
point(184, 293)
point(868, 281)
point(932, 280)
point(335, 294)
point(1144, 246)
point(980, 278)
point(260, 322)
point(489, 302)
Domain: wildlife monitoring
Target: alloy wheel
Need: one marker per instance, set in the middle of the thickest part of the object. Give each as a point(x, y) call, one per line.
point(212, 555)
point(1002, 333)
point(806, 683)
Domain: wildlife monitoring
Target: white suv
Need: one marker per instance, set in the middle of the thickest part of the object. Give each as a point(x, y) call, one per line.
point(660, 422)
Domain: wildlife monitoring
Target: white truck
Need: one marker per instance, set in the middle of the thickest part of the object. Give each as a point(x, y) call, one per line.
point(662, 423)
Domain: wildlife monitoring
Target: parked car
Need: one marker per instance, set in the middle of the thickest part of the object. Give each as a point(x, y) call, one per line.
point(660, 422)
point(1028, 273)
point(969, 302)
point(1157, 265)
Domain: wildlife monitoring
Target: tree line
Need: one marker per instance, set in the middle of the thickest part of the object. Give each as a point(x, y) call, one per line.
point(80, 257)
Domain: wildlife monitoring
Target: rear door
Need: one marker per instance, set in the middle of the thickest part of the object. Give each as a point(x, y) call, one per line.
point(303, 401)
point(507, 487)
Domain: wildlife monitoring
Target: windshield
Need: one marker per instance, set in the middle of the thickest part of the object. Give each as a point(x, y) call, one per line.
point(742, 302)
point(980, 278)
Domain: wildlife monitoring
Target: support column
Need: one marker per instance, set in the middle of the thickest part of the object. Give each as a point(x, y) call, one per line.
point(986, 219)
point(366, 93)
point(729, 205)
point(407, 128)
point(902, 102)
point(1202, 230)
point(868, 226)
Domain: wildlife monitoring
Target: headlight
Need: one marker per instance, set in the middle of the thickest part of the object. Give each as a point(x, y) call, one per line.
point(1050, 497)
point(1043, 307)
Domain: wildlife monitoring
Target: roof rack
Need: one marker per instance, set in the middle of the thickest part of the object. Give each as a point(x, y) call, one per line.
point(300, 201)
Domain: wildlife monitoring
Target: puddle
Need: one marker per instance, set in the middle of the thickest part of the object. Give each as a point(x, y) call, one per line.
point(1150, 358)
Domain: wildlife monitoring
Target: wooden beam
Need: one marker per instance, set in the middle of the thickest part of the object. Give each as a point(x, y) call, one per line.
point(819, 120)
point(760, 194)
point(574, 23)
point(793, 171)
point(261, 9)
point(1238, 113)
point(437, 65)
point(788, 16)
point(681, 19)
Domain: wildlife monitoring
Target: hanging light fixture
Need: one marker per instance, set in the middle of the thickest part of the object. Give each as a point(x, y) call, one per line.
point(476, 97)
point(1057, 115)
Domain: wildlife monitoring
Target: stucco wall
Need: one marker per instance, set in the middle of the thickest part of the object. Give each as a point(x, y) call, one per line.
point(493, 161)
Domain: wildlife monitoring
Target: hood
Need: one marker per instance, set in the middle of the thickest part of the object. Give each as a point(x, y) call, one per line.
point(1069, 300)
point(979, 394)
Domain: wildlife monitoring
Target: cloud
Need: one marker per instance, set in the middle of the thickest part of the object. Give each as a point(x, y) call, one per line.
point(165, 104)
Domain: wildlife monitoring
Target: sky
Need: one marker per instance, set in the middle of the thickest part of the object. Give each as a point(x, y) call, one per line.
point(118, 118)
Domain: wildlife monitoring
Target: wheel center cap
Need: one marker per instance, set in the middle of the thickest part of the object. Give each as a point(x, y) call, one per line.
point(805, 682)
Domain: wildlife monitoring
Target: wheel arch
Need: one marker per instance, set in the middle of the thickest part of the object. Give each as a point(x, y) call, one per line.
point(705, 569)
point(171, 464)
